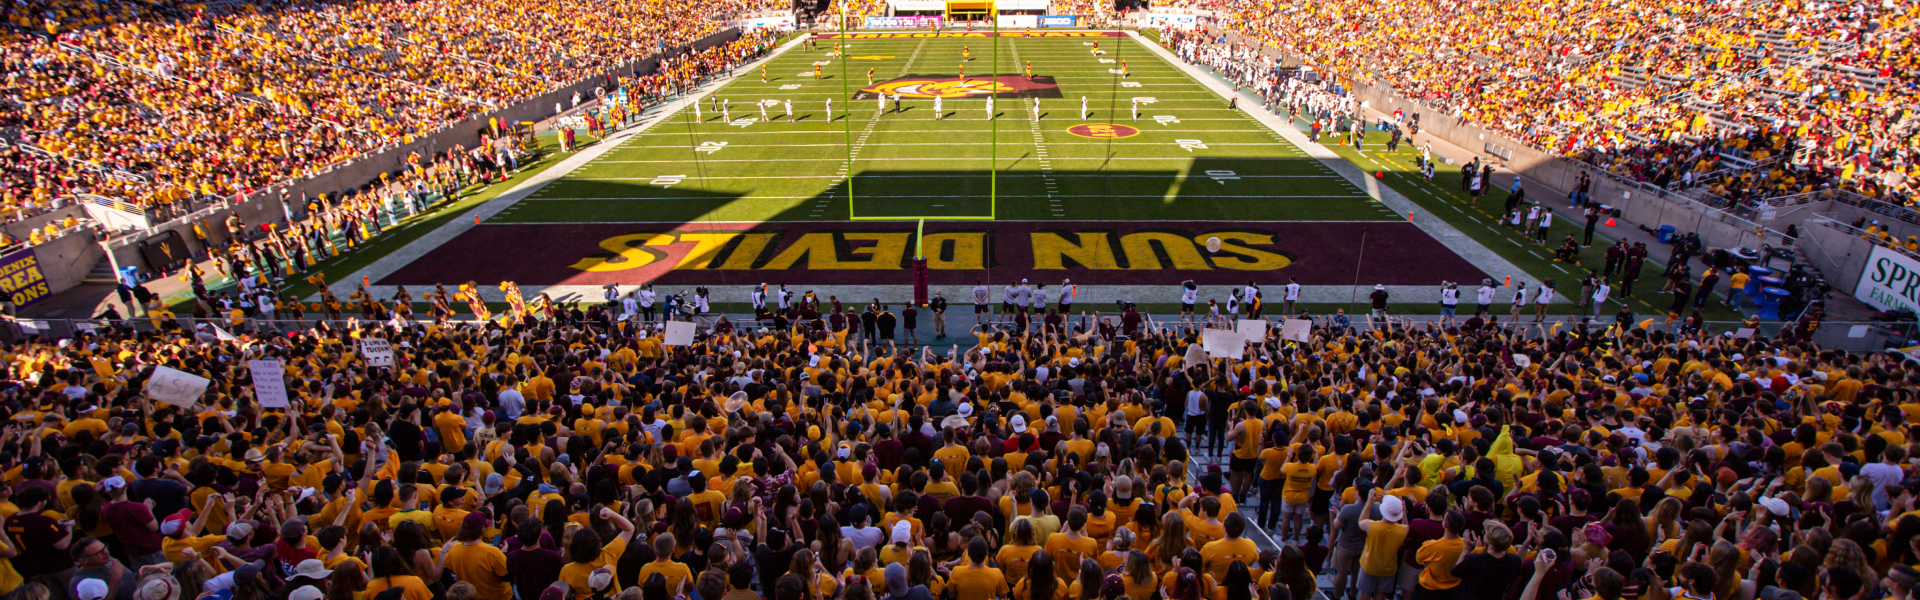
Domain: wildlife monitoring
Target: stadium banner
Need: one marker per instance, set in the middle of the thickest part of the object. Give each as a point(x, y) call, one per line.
point(1022, 5)
point(918, 5)
point(1891, 281)
point(1019, 20)
point(776, 22)
point(22, 280)
point(879, 253)
point(1058, 20)
point(1173, 20)
point(968, 34)
point(903, 22)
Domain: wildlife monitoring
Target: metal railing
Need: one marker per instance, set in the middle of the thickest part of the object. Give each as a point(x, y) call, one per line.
point(1851, 336)
point(1823, 220)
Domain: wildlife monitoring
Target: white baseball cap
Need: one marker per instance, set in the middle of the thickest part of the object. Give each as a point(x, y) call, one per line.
point(91, 589)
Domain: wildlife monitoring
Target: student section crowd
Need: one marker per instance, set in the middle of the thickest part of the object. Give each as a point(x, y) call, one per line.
point(578, 457)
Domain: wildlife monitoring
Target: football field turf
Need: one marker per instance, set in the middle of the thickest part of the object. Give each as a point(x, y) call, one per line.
point(1187, 157)
point(834, 196)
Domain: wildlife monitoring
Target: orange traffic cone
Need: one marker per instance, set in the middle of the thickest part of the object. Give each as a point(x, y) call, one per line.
point(1609, 221)
point(1380, 174)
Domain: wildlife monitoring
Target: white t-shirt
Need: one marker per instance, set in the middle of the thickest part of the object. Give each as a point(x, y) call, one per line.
point(1485, 294)
point(1450, 297)
point(1293, 292)
point(1189, 295)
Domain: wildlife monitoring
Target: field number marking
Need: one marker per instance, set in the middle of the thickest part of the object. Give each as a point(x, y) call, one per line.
point(1129, 84)
point(790, 86)
point(667, 180)
point(1191, 145)
point(1145, 99)
point(710, 147)
point(1165, 119)
point(1222, 176)
point(1106, 60)
point(743, 121)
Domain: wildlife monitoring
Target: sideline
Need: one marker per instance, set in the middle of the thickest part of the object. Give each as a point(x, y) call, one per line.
point(1473, 251)
point(401, 257)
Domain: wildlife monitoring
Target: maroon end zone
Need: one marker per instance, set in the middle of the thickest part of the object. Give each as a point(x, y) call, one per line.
point(879, 253)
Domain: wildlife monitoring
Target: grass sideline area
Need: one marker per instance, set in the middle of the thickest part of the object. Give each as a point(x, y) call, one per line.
point(414, 226)
point(1443, 197)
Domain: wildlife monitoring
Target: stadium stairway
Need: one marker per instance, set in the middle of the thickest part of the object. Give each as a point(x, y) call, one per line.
point(102, 273)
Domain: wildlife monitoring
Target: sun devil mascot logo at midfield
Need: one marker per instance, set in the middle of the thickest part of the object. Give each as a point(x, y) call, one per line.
point(918, 86)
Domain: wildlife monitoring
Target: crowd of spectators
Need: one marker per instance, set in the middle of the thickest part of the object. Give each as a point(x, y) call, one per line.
point(1639, 88)
point(156, 103)
point(572, 454)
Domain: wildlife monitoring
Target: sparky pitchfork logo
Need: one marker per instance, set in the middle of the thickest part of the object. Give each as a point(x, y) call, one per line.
point(941, 86)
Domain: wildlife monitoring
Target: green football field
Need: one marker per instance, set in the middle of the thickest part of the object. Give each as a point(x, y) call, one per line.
point(1191, 159)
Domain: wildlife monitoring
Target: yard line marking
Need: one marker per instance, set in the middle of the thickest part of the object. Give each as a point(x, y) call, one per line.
point(983, 130)
point(731, 147)
point(1161, 196)
point(1003, 173)
point(949, 159)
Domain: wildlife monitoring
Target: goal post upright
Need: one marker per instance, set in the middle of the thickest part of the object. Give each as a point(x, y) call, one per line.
point(993, 196)
point(846, 48)
point(993, 142)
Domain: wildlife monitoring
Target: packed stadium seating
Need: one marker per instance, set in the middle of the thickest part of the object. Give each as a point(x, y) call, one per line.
point(179, 101)
point(1635, 92)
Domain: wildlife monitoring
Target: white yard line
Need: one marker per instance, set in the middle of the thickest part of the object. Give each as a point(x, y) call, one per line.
point(843, 159)
point(1089, 196)
point(1044, 172)
point(943, 131)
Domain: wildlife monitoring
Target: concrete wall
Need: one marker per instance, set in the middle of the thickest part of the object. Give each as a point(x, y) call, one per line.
point(66, 260)
point(266, 206)
point(1840, 255)
point(18, 229)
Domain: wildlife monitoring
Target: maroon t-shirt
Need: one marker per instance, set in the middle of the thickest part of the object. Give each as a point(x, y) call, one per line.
point(129, 521)
point(1420, 531)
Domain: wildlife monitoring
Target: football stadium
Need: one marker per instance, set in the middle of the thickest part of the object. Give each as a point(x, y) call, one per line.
point(843, 158)
point(958, 300)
